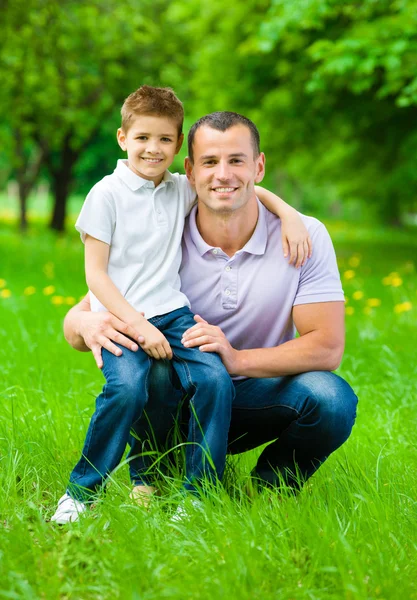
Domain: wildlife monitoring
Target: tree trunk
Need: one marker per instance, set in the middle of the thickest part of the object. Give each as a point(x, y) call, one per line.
point(23, 196)
point(61, 184)
point(28, 165)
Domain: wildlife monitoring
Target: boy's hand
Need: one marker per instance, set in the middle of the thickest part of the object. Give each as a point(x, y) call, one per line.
point(296, 241)
point(152, 341)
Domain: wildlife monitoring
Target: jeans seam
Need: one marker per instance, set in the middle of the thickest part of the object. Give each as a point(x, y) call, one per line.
point(184, 364)
point(83, 456)
point(267, 408)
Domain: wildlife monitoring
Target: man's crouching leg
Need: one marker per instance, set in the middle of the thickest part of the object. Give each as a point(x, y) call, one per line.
point(326, 411)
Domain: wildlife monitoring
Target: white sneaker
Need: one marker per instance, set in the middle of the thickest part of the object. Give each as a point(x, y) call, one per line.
point(183, 512)
point(68, 510)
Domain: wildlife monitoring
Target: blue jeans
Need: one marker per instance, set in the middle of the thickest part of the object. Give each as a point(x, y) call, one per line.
point(209, 391)
point(303, 418)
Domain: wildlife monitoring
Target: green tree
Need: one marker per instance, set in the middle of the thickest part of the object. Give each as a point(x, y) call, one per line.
point(67, 67)
point(332, 85)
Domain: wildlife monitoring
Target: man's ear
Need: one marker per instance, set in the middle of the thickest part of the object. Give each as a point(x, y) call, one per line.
point(189, 169)
point(121, 138)
point(179, 144)
point(260, 168)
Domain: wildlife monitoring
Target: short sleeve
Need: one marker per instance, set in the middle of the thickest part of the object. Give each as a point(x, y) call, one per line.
point(97, 217)
point(320, 279)
point(187, 193)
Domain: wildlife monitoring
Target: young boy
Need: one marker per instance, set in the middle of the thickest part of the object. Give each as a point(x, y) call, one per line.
point(131, 224)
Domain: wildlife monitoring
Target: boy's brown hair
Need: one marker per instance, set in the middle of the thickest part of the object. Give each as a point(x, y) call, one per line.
point(157, 101)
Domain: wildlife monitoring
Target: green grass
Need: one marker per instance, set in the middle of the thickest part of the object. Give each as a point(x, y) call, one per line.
point(351, 533)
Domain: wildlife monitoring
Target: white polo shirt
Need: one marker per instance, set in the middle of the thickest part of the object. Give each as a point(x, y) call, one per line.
point(143, 226)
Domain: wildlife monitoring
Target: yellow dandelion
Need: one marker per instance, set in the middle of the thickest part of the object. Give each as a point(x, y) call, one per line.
point(373, 302)
point(367, 310)
point(70, 300)
point(396, 281)
point(5, 293)
point(49, 290)
point(2, 283)
point(350, 310)
point(358, 295)
point(29, 291)
point(403, 307)
point(355, 261)
point(349, 274)
point(57, 300)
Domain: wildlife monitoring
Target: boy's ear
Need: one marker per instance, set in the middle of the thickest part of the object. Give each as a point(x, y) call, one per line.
point(188, 166)
point(179, 144)
point(121, 138)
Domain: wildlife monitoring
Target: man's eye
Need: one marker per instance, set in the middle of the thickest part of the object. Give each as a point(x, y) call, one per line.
point(209, 162)
point(236, 160)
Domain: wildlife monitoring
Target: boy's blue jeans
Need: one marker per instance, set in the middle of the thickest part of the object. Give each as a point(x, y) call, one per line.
point(210, 393)
point(303, 418)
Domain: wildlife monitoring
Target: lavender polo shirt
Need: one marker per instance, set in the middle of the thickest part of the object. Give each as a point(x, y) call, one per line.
point(251, 294)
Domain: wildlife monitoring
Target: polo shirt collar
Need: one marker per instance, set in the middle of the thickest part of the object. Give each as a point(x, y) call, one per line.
point(133, 181)
point(255, 245)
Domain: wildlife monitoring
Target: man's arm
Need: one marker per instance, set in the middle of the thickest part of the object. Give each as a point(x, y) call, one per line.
point(319, 347)
point(85, 330)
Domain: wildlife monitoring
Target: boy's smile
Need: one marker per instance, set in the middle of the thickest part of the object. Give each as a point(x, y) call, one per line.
point(151, 144)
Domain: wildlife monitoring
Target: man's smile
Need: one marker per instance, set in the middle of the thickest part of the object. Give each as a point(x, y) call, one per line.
point(224, 190)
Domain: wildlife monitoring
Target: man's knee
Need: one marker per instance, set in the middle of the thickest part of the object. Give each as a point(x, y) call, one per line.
point(332, 402)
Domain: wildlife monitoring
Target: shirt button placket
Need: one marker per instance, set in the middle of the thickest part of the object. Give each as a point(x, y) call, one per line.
point(229, 285)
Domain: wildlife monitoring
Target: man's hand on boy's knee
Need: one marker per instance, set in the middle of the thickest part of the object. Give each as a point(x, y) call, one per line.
point(210, 338)
point(102, 330)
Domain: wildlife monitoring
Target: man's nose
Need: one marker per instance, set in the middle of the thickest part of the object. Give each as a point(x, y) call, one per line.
point(223, 170)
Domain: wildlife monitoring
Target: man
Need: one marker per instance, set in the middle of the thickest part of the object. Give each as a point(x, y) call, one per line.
point(250, 301)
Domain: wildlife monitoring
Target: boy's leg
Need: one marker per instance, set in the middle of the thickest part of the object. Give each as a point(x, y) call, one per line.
point(210, 392)
point(118, 407)
point(156, 430)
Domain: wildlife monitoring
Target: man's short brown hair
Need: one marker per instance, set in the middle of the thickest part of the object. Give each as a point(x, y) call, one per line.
point(156, 101)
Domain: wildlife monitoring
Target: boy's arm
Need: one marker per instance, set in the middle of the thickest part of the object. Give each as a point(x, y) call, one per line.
point(296, 241)
point(96, 260)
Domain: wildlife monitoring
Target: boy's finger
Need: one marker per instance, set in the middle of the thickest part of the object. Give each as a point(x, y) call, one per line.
point(293, 253)
point(168, 351)
point(306, 251)
point(300, 256)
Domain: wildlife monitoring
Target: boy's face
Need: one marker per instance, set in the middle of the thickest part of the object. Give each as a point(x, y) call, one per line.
point(151, 144)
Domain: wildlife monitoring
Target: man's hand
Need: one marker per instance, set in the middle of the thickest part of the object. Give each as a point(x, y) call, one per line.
point(211, 338)
point(99, 330)
point(152, 341)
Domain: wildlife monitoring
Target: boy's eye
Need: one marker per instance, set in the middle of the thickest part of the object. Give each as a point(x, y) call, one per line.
point(142, 138)
point(165, 139)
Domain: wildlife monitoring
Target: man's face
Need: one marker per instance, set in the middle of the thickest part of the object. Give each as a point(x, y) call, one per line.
point(151, 144)
point(225, 169)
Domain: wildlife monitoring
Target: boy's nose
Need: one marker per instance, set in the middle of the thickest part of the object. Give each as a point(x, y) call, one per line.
point(152, 147)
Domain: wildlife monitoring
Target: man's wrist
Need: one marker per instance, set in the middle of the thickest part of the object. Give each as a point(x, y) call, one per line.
point(239, 362)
